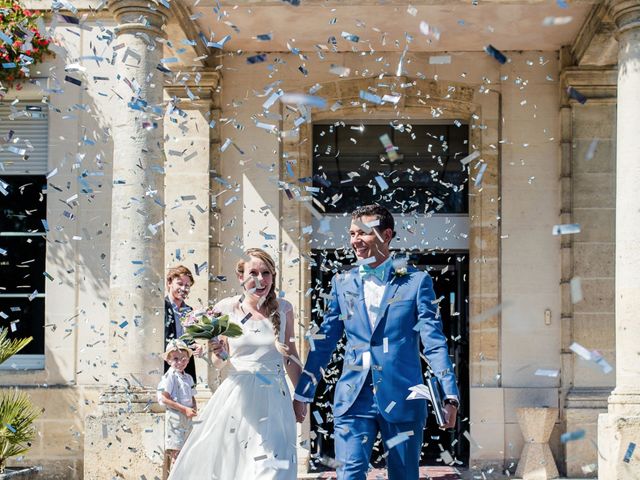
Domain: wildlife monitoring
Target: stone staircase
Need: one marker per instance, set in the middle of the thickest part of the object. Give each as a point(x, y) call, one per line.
point(426, 473)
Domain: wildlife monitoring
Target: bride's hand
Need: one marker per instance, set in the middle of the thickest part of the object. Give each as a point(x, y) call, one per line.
point(300, 410)
point(218, 348)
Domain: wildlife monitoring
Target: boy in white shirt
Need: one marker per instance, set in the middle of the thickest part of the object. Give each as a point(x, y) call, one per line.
point(176, 391)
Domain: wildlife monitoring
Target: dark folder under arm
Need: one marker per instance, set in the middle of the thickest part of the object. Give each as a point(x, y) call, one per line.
point(437, 399)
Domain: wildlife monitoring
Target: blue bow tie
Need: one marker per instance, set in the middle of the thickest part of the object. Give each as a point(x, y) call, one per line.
point(378, 271)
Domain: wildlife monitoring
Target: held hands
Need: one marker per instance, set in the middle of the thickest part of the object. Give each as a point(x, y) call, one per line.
point(300, 410)
point(450, 412)
point(190, 412)
point(218, 348)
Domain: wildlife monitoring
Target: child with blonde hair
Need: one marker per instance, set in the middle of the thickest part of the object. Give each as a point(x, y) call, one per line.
point(176, 391)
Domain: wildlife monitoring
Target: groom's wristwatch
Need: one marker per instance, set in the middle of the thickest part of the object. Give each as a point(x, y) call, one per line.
point(452, 401)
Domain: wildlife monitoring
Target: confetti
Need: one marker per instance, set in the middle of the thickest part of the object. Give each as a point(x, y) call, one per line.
point(566, 229)
point(440, 60)
point(495, 53)
point(629, 453)
point(576, 290)
point(576, 95)
point(571, 436)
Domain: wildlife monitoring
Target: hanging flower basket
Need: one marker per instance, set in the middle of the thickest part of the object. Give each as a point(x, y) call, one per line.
point(23, 42)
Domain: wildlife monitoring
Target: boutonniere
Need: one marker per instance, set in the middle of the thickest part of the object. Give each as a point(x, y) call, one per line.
point(400, 268)
point(400, 272)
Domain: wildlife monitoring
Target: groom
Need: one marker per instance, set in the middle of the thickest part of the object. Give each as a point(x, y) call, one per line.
point(386, 311)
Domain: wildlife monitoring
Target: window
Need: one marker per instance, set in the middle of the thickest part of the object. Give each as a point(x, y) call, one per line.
point(23, 165)
point(351, 166)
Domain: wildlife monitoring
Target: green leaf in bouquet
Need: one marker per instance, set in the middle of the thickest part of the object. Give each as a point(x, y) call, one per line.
point(232, 330)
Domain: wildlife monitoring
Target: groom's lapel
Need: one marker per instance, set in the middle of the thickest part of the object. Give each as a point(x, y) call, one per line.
point(360, 308)
point(389, 292)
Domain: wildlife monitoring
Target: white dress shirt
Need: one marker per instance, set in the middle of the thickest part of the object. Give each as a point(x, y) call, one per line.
point(373, 291)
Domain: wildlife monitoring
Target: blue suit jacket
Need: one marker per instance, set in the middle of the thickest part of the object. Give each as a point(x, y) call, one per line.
point(407, 316)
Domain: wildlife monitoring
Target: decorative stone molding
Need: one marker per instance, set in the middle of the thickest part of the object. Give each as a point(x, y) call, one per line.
point(139, 16)
point(202, 84)
point(592, 82)
point(595, 43)
point(625, 13)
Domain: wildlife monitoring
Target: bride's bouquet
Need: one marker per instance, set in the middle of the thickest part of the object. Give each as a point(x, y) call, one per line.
point(205, 325)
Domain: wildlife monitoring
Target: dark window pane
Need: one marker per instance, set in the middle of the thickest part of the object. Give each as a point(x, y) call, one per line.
point(22, 264)
point(25, 318)
point(426, 176)
point(25, 205)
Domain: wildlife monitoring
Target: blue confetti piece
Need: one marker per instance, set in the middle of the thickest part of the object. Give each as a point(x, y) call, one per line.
point(10, 427)
point(5, 38)
point(178, 254)
point(257, 58)
point(124, 324)
point(351, 37)
point(75, 81)
point(289, 169)
point(576, 95)
point(219, 44)
point(264, 37)
point(629, 453)
point(8, 65)
point(570, 436)
point(263, 378)
point(45, 224)
point(370, 97)
point(562, 3)
point(495, 53)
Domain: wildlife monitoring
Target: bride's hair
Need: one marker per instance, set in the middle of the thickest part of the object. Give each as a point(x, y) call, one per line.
point(271, 300)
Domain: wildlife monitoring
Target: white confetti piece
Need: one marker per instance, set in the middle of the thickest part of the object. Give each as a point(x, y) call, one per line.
point(440, 60)
point(576, 290)
point(566, 229)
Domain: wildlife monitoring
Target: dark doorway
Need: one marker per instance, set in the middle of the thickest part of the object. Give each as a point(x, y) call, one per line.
point(450, 276)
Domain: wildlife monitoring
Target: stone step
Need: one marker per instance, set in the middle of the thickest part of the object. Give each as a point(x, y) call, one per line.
point(426, 473)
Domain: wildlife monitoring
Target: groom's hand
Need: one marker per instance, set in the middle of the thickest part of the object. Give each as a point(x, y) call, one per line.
point(300, 410)
point(451, 412)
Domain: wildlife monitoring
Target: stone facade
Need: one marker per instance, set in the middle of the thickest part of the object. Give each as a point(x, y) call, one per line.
point(219, 193)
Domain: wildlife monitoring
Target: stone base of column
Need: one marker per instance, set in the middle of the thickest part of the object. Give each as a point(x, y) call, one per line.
point(126, 438)
point(616, 432)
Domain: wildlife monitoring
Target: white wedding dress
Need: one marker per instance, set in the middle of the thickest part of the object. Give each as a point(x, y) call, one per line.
point(247, 431)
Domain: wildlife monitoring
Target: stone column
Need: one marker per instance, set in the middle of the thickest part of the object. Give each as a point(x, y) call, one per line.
point(136, 306)
point(124, 436)
point(191, 140)
point(620, 427)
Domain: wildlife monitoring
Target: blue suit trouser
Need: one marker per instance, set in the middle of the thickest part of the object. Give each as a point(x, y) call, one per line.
point(355, 433)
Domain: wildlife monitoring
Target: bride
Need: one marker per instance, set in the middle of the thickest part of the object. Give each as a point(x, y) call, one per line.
point(247, 430)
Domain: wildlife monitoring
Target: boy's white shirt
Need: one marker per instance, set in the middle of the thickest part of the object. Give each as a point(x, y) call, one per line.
point(179, 386)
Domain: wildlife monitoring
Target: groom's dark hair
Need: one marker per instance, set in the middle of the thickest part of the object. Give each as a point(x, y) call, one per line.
point(382, 214)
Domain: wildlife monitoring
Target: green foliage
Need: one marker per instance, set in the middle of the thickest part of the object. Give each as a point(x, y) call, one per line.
point(9, 347)
point(208, 326)
point(17, 413)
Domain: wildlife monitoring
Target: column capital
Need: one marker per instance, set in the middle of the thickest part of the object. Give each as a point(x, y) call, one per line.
point(203, 83)
point(625, 14)
point(139, 15)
